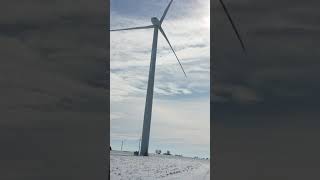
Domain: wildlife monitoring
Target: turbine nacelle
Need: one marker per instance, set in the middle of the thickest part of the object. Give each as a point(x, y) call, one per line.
point(155, 21)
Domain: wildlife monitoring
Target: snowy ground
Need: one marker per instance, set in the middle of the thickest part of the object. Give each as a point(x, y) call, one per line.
point(125, 166)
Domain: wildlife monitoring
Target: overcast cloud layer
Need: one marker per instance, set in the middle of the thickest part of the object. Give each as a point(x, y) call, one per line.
point(265, 104)
point(54, 102)
point(178, 101)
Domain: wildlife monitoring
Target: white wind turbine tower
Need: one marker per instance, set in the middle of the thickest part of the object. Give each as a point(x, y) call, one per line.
point(156, 25)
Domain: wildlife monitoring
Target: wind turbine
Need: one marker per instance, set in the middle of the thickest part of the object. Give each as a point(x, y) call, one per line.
point(233, 25)
point(156, 25)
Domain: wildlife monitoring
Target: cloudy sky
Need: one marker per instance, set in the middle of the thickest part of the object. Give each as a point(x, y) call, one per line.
point(54, 103)
point(266, 108)
point(181, 117)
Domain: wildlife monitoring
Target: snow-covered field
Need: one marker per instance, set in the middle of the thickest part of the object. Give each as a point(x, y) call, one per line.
point(125, 166)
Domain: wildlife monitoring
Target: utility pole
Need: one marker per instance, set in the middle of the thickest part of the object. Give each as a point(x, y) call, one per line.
point(122, 144)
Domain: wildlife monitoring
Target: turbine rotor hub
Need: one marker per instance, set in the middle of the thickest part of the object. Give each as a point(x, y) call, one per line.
point(155, 21)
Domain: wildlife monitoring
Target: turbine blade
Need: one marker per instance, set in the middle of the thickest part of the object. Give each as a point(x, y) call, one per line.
point(164, 34)
point(233, 25)
point(165, 12)
point(141, 27)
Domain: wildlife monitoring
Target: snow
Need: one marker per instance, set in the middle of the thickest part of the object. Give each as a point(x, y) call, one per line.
point(125, 166)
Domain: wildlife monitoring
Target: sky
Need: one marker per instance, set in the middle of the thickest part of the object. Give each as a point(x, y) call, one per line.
point(54, 102)
point(265, 105)
point(181, 108)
